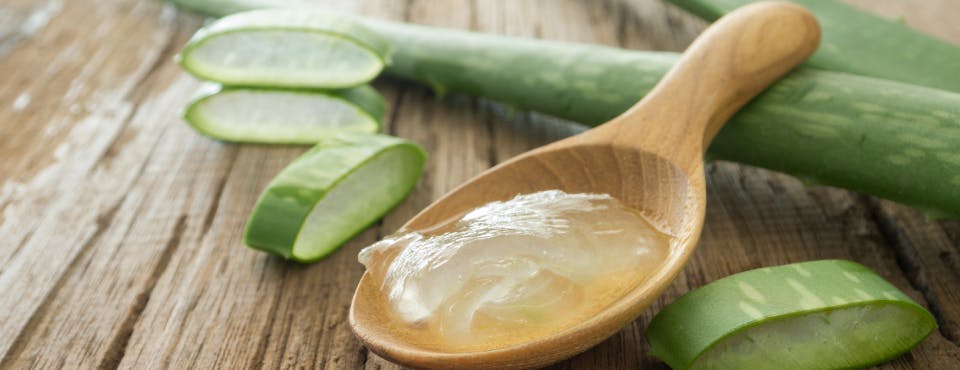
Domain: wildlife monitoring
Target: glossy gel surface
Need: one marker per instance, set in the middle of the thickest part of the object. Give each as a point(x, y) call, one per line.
point(513, 271)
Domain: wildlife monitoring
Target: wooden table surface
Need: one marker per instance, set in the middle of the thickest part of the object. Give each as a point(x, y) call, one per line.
point(121, 228)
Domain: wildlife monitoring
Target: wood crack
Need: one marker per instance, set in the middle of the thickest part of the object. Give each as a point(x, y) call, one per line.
point(408, 11)
point(391, 128)
point(474, 23)
point(137, 95)
point(119, 139)
point(196, 358)
point(140, 87)
point(364, 355)
point(15, 353)
point(3, 205)
point(218, 193)
point(622, 25)
point(189, 312)
point(378, 229)
point(23, 243)
point(260, 355)
point(910, 262)
point(492, 157)
point(118, 345)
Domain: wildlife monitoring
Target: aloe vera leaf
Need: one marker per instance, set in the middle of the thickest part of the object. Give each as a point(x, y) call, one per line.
point(285, 48)
point(279, 116)
point(857, 42)
point(331, 193)
point(880, 137)
point(827, 314)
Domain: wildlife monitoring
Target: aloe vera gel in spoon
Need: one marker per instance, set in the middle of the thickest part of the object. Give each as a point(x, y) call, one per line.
point(510, 272)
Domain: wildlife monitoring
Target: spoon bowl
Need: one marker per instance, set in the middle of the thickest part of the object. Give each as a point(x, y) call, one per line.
point(649, 158)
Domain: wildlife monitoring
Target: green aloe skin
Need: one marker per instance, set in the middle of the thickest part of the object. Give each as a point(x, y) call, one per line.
point(331, 193)
point(282, 116)
point(876, 136)
point(863, 44)
point(880, 137)
point(828, 314)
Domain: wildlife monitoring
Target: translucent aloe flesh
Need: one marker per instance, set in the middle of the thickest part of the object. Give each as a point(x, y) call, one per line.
point(275, 116)
point(331, 193)
point(288, 48)
point(813, 315)
point(840, 338)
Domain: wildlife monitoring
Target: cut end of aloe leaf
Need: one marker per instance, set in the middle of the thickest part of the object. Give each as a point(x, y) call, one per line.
point(331, 193)
point(812, 315)
point(847, 337)
point(284, 116)
point(285, 48)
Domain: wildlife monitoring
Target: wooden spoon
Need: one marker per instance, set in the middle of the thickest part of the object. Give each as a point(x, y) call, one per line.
point(650, 158)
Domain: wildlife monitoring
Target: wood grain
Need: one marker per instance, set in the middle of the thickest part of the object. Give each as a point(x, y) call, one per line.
point(121, 226)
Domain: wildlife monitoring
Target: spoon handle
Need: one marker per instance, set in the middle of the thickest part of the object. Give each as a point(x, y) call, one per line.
point(734, 60)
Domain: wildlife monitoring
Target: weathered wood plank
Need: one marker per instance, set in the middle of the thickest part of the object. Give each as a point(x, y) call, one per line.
point(156, 216)
point(300, 318)
point(67, 194)
point(215, 302)
point(125, 225)
point(929, 255)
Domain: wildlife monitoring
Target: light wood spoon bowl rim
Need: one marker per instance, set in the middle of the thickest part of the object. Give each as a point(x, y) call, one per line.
point(745, 51)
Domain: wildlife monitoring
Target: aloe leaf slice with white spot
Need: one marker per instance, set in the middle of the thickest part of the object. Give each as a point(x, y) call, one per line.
point(331, 193)
point(277, 116)
point(285, 48)
point(828, 314)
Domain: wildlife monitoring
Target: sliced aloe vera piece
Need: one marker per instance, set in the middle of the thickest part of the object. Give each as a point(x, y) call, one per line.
point(331, 193)
point(273, 116)
point(285, 48)
point(827, 314)
point(219, 8)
